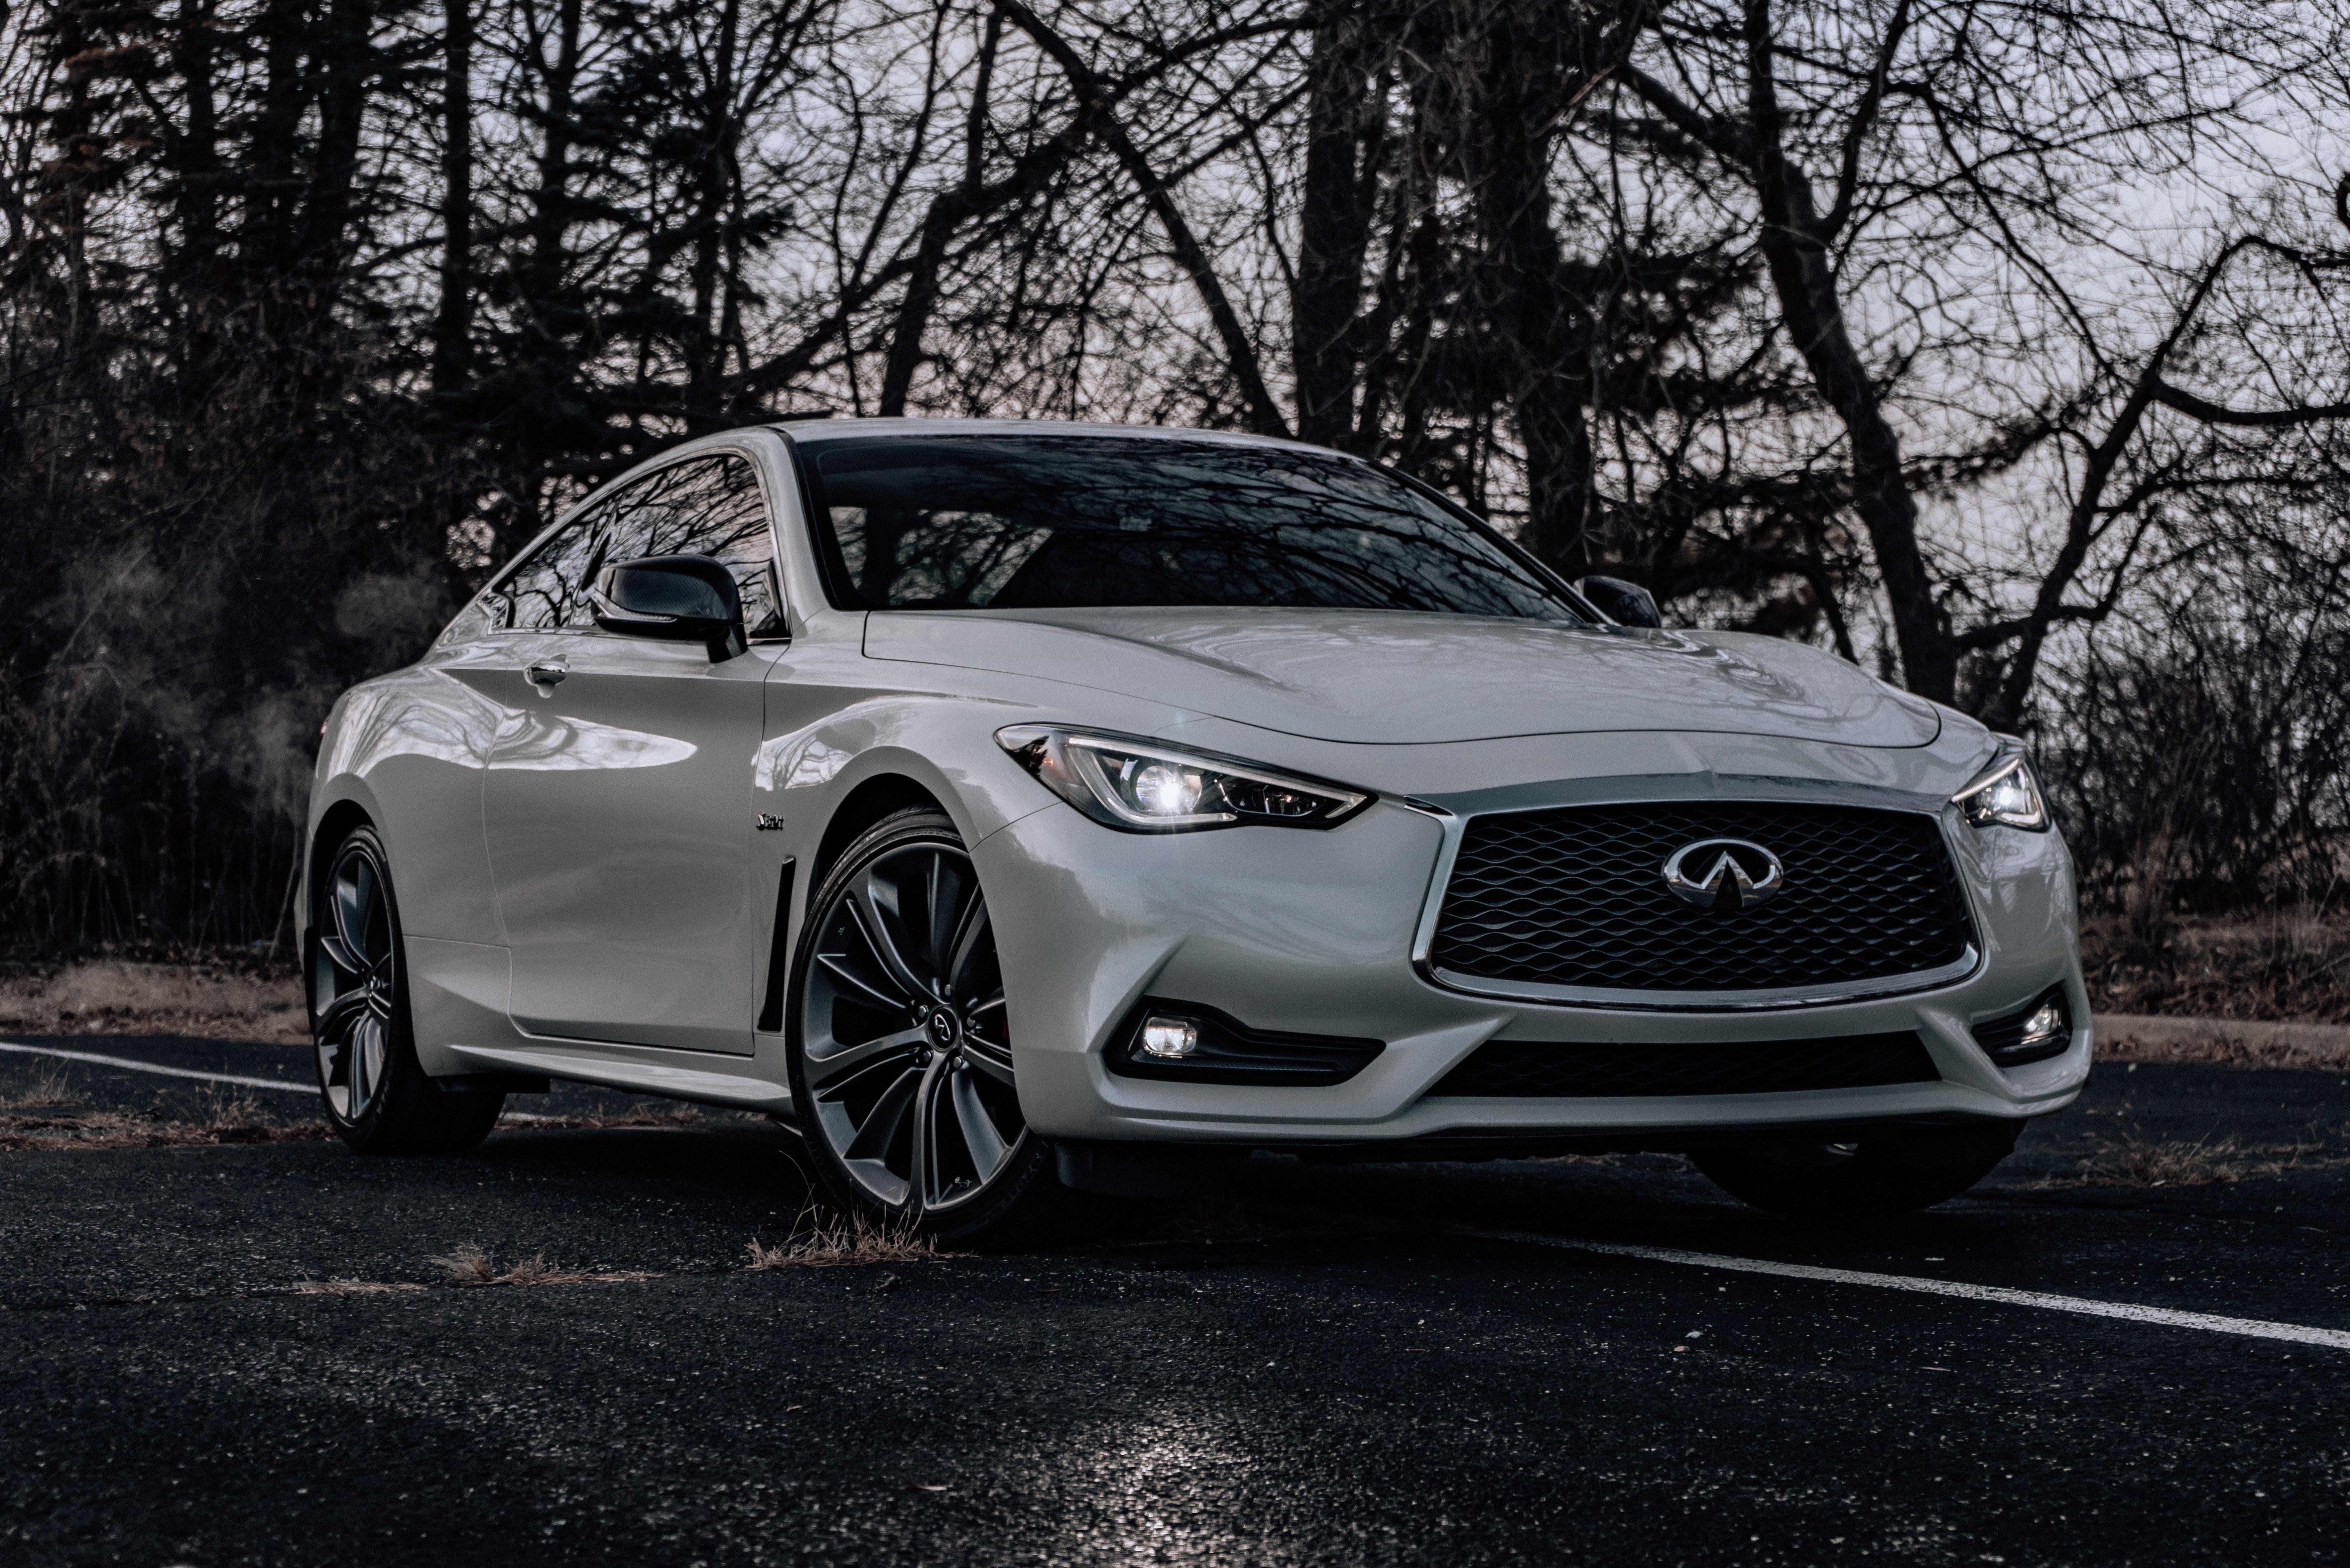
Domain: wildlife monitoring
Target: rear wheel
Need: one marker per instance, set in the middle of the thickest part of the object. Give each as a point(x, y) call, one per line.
point(900, 1056)
point(377, 1097)
point(1854, 1180)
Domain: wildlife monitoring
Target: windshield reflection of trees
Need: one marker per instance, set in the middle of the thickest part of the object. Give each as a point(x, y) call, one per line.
point(1055, 523)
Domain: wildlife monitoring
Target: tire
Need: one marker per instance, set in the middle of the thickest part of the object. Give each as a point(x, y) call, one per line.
point(1854, 1181)
point(377, 1097)
point(896, 1043)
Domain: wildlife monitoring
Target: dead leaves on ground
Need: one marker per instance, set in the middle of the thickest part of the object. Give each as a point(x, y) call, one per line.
point(223, 1121)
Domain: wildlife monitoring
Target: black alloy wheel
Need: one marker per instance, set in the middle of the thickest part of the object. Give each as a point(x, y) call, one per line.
point(355, 967)
point(900, 1052)
point(377, 1098)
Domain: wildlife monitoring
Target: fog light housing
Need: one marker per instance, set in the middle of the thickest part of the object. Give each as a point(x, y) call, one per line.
point(1187, 1042)
point(2040, 1030)
point(1168, 1037)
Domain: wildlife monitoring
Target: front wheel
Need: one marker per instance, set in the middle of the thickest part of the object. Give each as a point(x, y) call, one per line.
point(377, 1098)
point(898, 1045)
point(1853, 1180)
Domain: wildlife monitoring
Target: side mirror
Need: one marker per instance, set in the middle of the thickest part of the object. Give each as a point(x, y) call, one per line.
point(672, 599)
point(1625, 604)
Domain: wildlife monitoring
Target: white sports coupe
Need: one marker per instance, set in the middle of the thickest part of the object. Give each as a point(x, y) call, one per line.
point(1013, 808)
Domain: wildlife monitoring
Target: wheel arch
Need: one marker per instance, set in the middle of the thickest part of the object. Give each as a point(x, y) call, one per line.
point(873, 798)
point(337, 820)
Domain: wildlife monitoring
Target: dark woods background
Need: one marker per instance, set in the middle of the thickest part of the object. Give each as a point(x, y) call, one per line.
point(2000, 347)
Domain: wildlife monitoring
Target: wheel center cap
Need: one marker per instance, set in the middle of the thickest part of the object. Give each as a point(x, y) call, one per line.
point(943, 1030)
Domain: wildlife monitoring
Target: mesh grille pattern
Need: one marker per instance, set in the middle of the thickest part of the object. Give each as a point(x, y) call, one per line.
point(1517, 1069)
point(1576, 897)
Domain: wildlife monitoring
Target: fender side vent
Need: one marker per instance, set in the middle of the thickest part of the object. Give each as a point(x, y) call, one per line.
point(779, 957)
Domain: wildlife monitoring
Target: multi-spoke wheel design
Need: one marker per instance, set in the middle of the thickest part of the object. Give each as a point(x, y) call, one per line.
point(377, 1098)
point(901, 1040)
point(354, 981)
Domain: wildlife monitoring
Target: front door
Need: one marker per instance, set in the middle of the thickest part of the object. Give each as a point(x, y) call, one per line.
point(617, 799)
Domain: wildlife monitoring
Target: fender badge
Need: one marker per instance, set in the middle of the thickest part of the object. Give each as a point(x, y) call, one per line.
point(768, 822)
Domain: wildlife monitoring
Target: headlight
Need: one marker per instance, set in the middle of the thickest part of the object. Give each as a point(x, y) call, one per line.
point(2005, 795)
point(1143, 787)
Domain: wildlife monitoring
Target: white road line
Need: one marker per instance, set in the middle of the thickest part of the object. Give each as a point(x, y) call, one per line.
point(2128, 1312)
point(124, 1062)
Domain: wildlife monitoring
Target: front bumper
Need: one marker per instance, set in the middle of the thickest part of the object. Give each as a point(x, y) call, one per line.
point(1325, 933)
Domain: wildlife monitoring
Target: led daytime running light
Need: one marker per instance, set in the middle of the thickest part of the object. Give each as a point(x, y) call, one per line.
point(1141, 786)
point(2005, 795)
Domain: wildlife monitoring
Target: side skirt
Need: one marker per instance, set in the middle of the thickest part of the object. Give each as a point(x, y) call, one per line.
point(677, 1083)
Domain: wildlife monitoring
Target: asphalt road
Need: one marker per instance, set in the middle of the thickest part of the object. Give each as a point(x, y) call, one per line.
point(1323, 1369)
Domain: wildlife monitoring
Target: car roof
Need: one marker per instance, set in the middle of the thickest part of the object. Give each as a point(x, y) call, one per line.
point(823, 429)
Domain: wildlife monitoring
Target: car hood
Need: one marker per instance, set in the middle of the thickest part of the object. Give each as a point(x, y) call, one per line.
point(1403, 678)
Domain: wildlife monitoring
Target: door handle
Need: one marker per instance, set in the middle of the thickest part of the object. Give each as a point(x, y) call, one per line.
point(544, 674)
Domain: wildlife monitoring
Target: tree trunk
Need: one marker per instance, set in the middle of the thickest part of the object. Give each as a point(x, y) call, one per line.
point(1342, 123)
point(343, 61)
point(1809, 303)
point(1533, 64)
point(452, 324)
point(714, 173)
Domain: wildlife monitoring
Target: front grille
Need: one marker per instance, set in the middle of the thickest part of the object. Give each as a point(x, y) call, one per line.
point(1576, 897)
point(1517, 1069)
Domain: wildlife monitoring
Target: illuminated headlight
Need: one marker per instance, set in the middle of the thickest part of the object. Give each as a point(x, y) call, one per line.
point(1143, 787)
point(2004, 794)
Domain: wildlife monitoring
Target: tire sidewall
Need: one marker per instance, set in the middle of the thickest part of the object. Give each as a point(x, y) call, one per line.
point(1032, 1182)
point(400, 1063)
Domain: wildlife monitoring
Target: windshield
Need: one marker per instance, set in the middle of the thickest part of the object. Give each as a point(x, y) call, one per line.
point(1056, 521)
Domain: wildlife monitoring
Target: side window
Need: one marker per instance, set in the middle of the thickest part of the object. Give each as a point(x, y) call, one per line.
point(711, 506)
point(547, 591)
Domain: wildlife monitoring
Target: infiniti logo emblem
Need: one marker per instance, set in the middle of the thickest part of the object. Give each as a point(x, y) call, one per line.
point(1724, 875)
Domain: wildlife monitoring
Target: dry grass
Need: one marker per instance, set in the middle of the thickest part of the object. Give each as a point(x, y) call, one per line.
point(47, 1113)
point(830, 1241)
point(354, 1288)
point(2289, 966)
point(471, 1264)
point(672, 1116)
point(2135, 1160)
point(114, 997)
point(223, 1121)
point(45, 1085)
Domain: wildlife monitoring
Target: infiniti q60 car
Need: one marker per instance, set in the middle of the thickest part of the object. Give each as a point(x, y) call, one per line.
point(1014, 809)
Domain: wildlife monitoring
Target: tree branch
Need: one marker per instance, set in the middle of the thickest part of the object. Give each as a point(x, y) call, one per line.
point(1265, 416)
point(2212, 413)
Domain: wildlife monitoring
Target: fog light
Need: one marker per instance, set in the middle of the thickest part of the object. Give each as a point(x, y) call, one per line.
point(2040, 1030)
point(1170, 1036)
point(2046, 1023)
